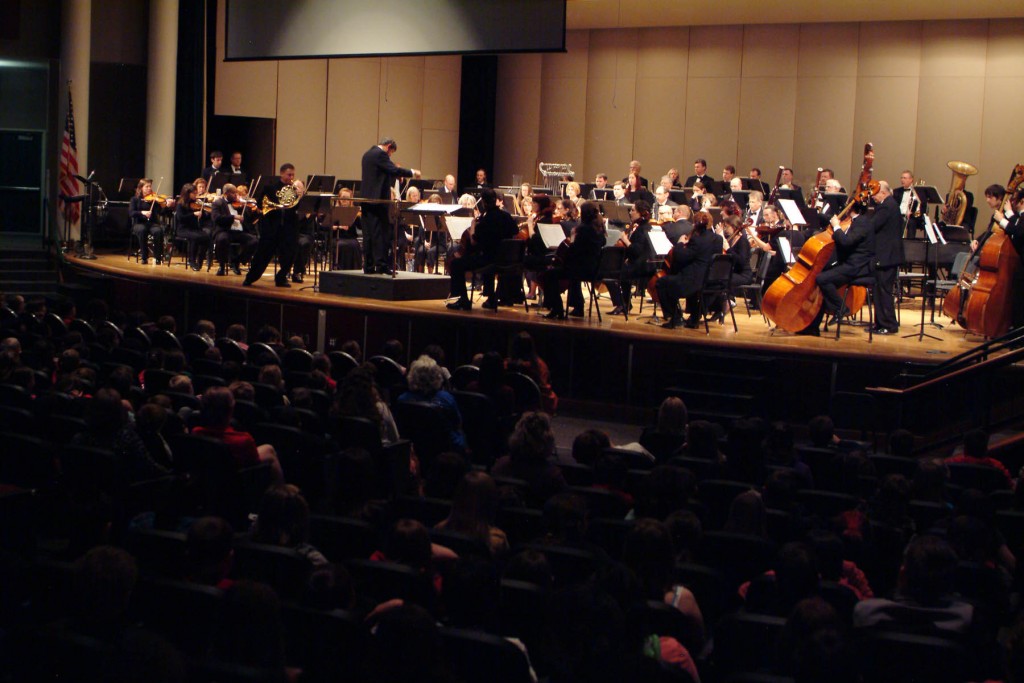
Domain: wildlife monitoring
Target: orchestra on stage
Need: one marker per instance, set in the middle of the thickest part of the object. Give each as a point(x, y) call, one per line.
point(693, 246)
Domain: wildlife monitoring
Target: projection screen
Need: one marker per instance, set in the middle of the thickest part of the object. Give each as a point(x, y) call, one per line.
point(302, 29)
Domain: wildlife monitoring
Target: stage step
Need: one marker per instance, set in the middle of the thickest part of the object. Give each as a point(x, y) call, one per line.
point(29, 272)
point(722, 387)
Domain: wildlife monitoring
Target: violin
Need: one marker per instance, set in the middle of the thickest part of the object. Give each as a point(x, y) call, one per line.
point(154, 198)
point(198, 205)
point(627, 234)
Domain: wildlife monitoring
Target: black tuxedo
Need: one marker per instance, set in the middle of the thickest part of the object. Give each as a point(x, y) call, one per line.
point(639, 255)
point(690, 262)
point(1015, 231)
point(379, 172)
point(673, 231)
point(709, 183)
point(210, 171)
point(491, 228)
point(224, 234)
point(888, 227)
point(278, 235)
point(581, 263)
point(854, 252)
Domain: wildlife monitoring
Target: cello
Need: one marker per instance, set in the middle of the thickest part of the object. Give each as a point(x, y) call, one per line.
point(794, 299)
point(990, 301)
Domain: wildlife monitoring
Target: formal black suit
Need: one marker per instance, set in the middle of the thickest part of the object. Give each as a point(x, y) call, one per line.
point(741, 271)
point(888, 227)
point(709, 183)
point(1015, 231)
point(379, 173)
point(278, 235)
point(580, 263)
point(225, 233)
point(854, 252)
point(639, 257)
point(491, 228)
point(210, 171)
point(690, 262)
point(675, 230)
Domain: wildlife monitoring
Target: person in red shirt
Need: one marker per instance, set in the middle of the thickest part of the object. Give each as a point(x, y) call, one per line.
point(217, 411)
point(976, 453)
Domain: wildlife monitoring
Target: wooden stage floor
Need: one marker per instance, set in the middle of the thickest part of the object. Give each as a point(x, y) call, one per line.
point(753, 336)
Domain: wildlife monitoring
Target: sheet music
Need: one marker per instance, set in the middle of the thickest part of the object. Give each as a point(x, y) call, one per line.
point(660, 241)
point(458, 225)
point(932, 231)
point(552, 234)
point(427, 207)
point(786, 248)
point(792, 211)
point(612, 236)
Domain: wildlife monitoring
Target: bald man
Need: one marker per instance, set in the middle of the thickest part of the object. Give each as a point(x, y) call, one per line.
point(888, 227)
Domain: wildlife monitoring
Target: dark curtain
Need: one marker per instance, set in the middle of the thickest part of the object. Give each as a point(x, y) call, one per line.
point(476, 117)
point(188, 116)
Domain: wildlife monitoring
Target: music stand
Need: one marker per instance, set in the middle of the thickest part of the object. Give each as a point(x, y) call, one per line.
point(88, 216)
point(935, 240)
point(340, 215)
point(220, 179)
point(603, 193)
point(126, 188)
point(348, 184)
point(741, 197)
point(309, 206)
point(68, 201)
point(320, 183)
point(681, 197)
point(431, 216)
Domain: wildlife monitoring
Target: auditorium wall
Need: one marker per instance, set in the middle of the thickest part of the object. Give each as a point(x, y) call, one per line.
point(800, 95)
point(330, 111)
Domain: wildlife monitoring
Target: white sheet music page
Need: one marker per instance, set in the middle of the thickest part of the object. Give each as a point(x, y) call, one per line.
point(786, 248)
point(551, 233)
point(458, 225)
point(792, 211)
point(660, 241)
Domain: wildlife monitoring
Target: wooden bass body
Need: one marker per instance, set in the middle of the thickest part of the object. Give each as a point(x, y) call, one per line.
point(989, 308)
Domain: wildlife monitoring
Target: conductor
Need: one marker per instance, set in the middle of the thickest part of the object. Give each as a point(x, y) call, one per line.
point(378, 174)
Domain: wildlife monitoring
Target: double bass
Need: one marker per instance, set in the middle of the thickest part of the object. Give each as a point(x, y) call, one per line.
point(794, 299)
point(990, 302)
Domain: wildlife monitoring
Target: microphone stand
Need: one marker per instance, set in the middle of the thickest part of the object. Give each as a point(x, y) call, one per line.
point(88, 218)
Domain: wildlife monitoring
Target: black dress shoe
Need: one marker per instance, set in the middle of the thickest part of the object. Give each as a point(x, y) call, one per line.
point(369, 271)
point(459, 305)
point(672, 323)
point(553, 315)
point(886, 330)
point(491, 304)
point(282, 283)
point(616, 311)
point(692, 323)
point(222, 271)
point(247, 282)
point(236, 270)
point(576, 313)
point(297, 278)
point(809, 332)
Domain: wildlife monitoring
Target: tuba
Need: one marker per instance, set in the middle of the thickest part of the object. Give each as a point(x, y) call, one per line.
point(956, 201)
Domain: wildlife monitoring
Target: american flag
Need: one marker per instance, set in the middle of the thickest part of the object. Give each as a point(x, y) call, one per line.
point(69, 163)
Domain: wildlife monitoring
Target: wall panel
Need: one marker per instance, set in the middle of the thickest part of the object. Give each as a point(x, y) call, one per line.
point(517, 121)
point(302, 116)
point(352, 107)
